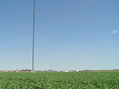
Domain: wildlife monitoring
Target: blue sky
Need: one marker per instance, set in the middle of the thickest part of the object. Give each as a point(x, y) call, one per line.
point(70, 34)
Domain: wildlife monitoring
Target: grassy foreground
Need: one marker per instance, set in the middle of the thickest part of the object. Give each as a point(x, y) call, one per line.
point(74, 80)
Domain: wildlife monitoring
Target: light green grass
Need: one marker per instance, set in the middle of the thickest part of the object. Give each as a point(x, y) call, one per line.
point(74, 80)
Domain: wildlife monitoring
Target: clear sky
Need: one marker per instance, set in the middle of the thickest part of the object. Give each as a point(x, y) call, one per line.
point(70, 34)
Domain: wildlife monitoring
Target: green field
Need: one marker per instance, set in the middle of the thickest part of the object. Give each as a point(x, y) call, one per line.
point(71, 80)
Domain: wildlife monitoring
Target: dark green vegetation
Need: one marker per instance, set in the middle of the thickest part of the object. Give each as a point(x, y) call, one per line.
point(81, 80)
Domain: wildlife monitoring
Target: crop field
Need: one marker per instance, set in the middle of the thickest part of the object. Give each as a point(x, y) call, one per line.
point(61, 80)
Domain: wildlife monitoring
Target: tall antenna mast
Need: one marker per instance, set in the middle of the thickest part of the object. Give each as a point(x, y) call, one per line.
point(33, 35)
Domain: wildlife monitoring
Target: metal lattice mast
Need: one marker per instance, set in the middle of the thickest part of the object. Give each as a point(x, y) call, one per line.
point(33, 38)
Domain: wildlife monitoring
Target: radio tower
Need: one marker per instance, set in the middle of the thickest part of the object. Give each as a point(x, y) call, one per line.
point(33, 38)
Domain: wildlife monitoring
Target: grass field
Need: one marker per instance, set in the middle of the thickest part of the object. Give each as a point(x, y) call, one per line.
point(69, 80)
